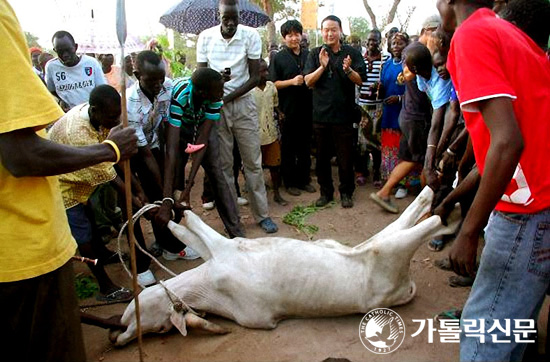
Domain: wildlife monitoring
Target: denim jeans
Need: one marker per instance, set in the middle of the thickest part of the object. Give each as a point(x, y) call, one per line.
point(511, 282)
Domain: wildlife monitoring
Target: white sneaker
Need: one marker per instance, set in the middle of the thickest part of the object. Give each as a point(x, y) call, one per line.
point(146, 278)
point(401, 193)
point(209, 205)
point(242, 201)
point(185, 254)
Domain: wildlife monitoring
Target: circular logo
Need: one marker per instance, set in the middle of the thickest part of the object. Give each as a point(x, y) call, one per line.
point(382, 331)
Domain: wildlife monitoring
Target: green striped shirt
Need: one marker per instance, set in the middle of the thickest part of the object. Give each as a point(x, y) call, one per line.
point(182, 109)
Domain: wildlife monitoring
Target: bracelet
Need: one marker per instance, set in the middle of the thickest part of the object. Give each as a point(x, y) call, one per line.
point(450, 152)
point(169, 199)
point(349, 71)
point(434, 146)
point(115, 147)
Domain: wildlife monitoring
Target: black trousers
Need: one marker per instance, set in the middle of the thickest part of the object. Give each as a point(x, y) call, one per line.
point(295, 150)
point(334, 139)
point(163, 236)
point(225, 204)
point(41, 320)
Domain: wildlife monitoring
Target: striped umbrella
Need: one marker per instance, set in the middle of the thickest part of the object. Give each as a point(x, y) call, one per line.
point(194, 16)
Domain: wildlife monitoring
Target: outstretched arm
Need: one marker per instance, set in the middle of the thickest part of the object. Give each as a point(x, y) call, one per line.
point(25, 154)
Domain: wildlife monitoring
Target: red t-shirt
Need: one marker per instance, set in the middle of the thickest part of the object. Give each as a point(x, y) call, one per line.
point(492, 58)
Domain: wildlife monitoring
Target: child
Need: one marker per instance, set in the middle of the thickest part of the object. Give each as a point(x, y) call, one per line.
point(503, 80)
point(393, 94)
point(267, 101)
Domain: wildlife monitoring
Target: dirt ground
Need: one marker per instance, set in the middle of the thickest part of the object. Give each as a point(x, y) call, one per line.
point(296, 339)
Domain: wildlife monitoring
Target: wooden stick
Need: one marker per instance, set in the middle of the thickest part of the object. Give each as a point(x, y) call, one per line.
point(85, 260)
point(121, 34)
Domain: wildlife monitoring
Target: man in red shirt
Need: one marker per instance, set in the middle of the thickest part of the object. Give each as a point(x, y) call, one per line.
point(503, 83)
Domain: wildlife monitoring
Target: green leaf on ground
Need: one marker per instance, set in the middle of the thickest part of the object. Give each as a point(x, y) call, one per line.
point(297, 218)
point(85, 286)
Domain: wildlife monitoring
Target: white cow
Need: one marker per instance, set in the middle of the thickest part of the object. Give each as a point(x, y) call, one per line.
point(258, 282)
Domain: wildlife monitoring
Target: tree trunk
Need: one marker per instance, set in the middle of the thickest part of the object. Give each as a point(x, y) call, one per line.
point(271, 32)
point(387, 20)
point(371, 14)
point(391, 14)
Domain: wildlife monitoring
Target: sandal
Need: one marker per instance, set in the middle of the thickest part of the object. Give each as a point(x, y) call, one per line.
point(443, 264)
point(121, 295)
point(457, 281)
point(360, 180)
point(385, 204)
point(452, 314)
point(436, 245)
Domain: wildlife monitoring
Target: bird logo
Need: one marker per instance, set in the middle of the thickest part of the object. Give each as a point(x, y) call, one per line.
point(382, 331)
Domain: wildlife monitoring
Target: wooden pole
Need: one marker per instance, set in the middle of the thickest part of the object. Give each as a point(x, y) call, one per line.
point(121, 34)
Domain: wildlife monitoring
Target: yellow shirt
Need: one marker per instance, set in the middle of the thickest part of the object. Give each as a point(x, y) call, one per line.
point(34, 233)
point(75, 129)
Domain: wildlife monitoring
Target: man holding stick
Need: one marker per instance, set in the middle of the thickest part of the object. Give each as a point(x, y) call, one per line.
point(37, 292)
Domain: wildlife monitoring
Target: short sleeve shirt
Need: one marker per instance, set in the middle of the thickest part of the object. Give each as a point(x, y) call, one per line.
point(491, 58)
point(373, 68)
point(34, 231)
point(74, 84)
point(437, 89)
point(233, 53)
point(184, 112)
point(266, 100)
point(75, 129)
point(334, 92)
point(146, 117)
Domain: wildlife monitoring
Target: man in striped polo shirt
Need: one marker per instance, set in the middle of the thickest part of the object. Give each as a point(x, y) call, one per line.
point(194, 116)
point(371, 101)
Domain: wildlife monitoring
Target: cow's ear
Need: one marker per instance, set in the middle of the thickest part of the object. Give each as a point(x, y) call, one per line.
point(178, 320)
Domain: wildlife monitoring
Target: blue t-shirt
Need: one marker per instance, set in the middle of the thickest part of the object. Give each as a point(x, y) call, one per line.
point(437, 89)
point(388, 77)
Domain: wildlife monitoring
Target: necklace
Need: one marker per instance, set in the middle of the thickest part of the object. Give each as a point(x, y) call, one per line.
point(399, 62)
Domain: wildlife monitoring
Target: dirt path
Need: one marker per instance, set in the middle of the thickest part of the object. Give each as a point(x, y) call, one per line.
point(305, 339)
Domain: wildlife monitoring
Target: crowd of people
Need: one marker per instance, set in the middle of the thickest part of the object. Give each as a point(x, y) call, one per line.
point(461, 107)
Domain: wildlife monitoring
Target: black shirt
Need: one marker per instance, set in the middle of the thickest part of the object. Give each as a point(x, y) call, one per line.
point(285, 65)
point(416, 104)
point(334, 92)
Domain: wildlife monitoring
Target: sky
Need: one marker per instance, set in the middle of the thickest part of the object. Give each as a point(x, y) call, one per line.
point(45, 17)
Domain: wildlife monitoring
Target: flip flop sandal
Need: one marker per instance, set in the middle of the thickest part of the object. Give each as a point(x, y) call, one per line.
point(457, 281)
point(436, 245)
point(385, 204)
point(121, 295)
point(451, 314)
point(443, 264)
point(194, 148)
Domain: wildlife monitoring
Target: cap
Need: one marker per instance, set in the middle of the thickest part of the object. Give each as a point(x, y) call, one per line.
point(432, 21)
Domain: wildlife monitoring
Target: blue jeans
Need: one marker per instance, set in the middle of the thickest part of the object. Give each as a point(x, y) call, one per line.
point(511, 282)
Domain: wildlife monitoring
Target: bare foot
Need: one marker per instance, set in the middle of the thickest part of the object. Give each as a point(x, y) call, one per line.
point(278, 199)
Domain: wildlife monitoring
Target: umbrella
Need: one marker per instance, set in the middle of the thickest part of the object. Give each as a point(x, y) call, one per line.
point(97, 35)
point(107, 43)
point(194, 16)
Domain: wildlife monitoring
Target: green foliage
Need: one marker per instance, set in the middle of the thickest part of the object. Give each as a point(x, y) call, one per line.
point(32, 40)
point(85, 286)
point(297, 218)
point(180, 50)
point(359, 26)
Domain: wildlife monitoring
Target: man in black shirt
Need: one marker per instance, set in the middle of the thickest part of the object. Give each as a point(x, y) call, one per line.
point(286, 71)
point(332, 71)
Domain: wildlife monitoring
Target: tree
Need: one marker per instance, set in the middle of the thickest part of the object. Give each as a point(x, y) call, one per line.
point(385, 21)
point(280, 8)
point(32, 40)
point(359, 26)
